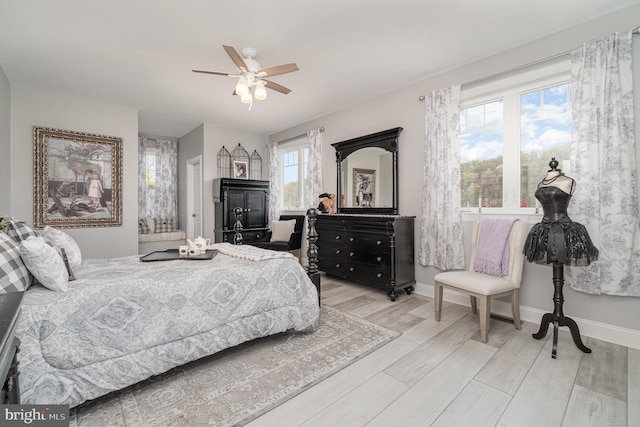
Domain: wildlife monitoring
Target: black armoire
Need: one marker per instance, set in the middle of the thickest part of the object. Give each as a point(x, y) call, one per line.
point(249, 195)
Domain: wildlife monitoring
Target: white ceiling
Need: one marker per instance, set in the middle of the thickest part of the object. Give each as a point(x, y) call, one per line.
point(140, 53)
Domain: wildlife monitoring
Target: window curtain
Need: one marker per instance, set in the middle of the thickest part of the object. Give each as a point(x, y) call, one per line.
point(313, 183)
point(441, 237)
point(159, 200)
point(274, 181)
point(603, 162)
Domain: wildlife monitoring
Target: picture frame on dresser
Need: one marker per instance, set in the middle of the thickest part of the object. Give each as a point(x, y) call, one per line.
point(77, 179)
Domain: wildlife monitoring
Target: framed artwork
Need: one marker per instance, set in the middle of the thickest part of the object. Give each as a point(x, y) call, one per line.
point(77, 179)
point(240, 169)
point(364, 188)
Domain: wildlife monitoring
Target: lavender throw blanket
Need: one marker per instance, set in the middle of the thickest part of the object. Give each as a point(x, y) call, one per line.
point(492, 255)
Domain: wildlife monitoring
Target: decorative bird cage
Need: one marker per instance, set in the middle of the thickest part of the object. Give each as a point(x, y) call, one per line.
point(224, 163)
point(255, 166)
point(240, 162)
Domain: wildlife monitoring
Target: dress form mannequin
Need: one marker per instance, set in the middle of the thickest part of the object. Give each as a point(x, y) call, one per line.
point(559, 241)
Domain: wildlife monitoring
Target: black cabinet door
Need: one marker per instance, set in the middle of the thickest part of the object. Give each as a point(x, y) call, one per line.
point(235, 199)
point(255, 209)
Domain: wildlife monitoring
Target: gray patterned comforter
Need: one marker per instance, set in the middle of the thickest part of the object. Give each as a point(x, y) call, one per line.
point(124, 320)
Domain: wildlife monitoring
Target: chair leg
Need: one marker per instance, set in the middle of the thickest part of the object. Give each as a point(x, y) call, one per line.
point(515, 308)
point(474, 305)
point(437, 298)
point(485, 311)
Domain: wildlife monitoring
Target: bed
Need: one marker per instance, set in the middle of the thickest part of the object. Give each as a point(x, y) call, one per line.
point(122, 320)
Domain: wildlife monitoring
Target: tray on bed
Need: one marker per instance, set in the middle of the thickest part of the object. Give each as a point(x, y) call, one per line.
point(171, 254)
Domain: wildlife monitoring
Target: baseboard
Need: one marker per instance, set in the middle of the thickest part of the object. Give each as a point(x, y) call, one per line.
point(589, 328)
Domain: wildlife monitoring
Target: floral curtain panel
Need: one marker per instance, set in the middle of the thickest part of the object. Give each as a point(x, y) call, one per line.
point(313, 183)
point(604, 164)
point(441, 237)
point(274, 181)
point(158, 199)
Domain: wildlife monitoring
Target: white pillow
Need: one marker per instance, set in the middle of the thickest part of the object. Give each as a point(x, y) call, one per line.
point(45, 263)
point(60, 239)
point(281, 230)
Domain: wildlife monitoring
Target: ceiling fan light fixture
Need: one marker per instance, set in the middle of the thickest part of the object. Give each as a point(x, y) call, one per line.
point(246, 98)
point(260, 92)
point(242, 87)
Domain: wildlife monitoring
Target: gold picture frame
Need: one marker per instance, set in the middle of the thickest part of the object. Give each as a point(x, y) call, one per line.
point(364, 188)
point(77, 179)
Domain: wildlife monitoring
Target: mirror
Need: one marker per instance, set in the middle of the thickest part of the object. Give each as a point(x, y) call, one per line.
point(368, 173)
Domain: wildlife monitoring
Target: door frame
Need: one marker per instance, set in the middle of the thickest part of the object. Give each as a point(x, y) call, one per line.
point(192, 197)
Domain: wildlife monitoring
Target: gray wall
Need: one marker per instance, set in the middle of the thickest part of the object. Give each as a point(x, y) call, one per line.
point(402, 108)
point(5, 144)
point(207, 140)
point(32, 107)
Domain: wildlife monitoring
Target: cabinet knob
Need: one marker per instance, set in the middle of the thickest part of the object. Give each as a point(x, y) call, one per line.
point(352, 268)
point(379, 275)
point(338, 265)
point(351, 254)
point(379, 242)
point(351, 239)
point(379, 258)
point(338, 251)
point(338, 237)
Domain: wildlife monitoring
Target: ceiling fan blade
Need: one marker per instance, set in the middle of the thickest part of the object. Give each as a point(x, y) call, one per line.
point(278, 69)
point(236, 58)
point(276, 87)
point(213, 72)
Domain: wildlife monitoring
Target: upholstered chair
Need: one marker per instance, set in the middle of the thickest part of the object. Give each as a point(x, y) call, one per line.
point(483, 287)
point(282, 238)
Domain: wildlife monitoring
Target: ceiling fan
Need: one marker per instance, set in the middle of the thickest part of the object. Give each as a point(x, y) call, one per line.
point(251, 75)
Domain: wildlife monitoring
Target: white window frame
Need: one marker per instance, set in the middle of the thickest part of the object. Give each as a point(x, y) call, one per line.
point(509, 89)
point(298, 144)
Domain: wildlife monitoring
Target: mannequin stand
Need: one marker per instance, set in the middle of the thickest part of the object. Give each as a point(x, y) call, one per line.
point(557, 317)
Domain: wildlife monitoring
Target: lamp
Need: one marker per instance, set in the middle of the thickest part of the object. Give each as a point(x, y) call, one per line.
point(242, 87)
point(246, 98)
point(260, 92)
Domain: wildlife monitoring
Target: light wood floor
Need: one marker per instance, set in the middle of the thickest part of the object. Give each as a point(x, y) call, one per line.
point(440, 374)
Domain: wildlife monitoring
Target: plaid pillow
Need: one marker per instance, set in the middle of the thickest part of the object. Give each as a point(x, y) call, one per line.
point(143, 227)
point(19, 231)
point(14, 275)
point(165, 225)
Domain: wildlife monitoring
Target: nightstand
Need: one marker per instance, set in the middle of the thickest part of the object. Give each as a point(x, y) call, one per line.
point(9, 345)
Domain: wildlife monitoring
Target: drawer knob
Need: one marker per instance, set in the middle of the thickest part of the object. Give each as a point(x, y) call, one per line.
point(351, 254)
point(379, 258)
point(338, 251)
point(338, 237)
point(352, 268)
point(378, 275)
point(351, 239)
point(338, 265)
point(379, 242)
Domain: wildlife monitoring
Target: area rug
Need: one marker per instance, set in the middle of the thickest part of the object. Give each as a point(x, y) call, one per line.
point(237, 385)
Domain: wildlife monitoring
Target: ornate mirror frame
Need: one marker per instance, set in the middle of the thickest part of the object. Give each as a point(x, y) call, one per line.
point(387, 140)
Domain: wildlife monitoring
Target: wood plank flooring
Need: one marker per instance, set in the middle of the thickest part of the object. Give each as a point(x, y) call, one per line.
point(440, 374)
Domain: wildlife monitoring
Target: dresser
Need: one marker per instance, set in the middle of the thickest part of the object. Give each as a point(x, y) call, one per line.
point(248, 194)
point(375, 250)
point(9, 344)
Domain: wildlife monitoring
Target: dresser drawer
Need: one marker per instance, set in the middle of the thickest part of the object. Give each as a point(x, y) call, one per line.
point(359, 271)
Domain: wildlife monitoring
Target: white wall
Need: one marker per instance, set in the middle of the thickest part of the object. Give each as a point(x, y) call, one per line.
point(5, 144)
point(32, 107)
point(402, 108)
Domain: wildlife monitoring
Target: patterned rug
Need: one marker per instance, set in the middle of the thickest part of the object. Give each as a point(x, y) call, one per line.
point(237, 385)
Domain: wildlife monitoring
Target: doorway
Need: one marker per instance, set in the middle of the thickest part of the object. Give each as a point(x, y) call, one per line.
point(194, 197)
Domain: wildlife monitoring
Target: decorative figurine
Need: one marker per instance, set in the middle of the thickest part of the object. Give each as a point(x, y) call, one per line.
point(326, 206)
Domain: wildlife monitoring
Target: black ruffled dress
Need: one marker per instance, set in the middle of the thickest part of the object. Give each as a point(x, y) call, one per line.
point(557, 238)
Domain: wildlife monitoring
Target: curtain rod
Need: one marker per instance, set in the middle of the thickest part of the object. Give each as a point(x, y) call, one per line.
point(521, 67)
point(296, 137)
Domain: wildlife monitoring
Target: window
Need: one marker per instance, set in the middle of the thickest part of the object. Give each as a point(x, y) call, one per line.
point(293, 161)
point(150, 165)
point(509, 131)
